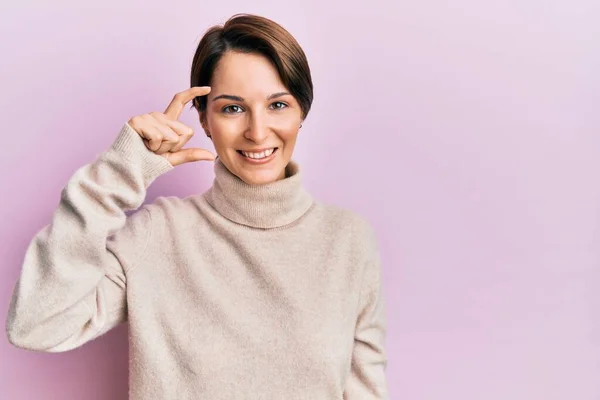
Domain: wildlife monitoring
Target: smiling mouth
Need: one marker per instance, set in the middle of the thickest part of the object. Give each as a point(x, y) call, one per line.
point(258, 155)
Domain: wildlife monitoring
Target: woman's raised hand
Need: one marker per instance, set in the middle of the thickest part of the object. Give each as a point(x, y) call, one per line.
point(165, 135)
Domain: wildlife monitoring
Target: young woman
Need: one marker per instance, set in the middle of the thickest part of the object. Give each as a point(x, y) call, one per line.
point(251, 290)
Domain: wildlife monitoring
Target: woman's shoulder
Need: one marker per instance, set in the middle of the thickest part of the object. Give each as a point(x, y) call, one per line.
point(171, 207)
point(345, 218)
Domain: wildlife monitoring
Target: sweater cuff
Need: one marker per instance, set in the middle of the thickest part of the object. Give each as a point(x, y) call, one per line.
point(130, 145)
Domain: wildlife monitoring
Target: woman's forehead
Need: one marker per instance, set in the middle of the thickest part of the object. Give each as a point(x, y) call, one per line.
point(248, 73)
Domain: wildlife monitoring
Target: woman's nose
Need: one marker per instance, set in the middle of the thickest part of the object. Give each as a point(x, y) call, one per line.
point(257, 130)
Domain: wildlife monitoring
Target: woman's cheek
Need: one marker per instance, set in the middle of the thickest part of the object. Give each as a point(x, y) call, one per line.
point(288, 126)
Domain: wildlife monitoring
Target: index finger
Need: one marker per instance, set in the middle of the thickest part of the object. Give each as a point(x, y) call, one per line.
point(179, 101)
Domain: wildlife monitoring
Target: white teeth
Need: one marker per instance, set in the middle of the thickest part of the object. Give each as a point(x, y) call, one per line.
point(258, 156)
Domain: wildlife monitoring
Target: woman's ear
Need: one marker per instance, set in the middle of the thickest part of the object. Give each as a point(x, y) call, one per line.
point(204, 124)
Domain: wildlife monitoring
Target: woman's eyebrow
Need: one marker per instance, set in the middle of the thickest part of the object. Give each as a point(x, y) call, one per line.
point(275, 95)
point(229, 97)
point(238, 98)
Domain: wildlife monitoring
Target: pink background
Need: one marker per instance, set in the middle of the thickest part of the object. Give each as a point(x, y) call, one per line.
point(468, 133)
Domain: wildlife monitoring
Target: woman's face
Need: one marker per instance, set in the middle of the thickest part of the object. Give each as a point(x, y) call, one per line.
point(251, 117)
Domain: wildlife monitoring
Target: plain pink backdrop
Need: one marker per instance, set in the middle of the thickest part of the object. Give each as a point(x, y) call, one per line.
point(466, 131)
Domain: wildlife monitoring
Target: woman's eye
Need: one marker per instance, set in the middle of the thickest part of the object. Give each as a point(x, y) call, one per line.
point(232, 109)
point(281, 105)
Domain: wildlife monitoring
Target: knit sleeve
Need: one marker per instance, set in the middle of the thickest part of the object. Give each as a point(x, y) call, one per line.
point(367, 380)
point(72, 286)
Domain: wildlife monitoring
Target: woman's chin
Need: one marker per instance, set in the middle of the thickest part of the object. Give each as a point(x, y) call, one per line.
point(256, 173)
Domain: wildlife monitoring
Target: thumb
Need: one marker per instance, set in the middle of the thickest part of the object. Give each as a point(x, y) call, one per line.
point(189, 155)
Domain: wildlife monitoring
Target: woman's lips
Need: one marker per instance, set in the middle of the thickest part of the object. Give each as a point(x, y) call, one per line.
point(260, 156)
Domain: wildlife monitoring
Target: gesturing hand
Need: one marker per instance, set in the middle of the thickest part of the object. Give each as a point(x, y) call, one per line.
point(165, 135)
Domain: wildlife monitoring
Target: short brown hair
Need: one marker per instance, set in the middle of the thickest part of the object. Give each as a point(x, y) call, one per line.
point(248, 33)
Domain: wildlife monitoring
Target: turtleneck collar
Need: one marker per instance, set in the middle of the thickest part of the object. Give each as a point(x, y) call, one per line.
point(264, 206)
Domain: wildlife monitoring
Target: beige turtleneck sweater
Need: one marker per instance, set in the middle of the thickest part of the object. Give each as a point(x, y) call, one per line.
point(241, 292)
